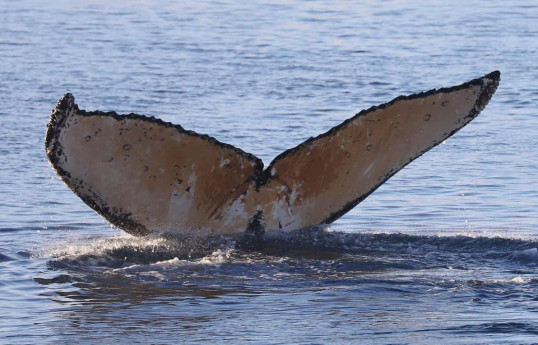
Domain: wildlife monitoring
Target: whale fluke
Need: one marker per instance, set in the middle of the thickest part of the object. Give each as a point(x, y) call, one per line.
point(145, 175)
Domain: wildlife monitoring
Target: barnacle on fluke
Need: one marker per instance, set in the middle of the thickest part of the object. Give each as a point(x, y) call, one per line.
point(145, 175)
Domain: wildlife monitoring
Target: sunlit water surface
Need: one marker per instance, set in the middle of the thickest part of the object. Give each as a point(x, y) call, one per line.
point(445, 252)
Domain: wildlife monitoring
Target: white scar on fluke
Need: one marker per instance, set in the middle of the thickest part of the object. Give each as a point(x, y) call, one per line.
point(145, 175)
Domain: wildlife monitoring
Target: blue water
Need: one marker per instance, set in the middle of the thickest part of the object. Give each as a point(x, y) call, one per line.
point(445, 252)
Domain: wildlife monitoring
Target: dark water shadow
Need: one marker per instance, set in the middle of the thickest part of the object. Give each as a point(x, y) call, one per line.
point(126, 282)
point(174, 265)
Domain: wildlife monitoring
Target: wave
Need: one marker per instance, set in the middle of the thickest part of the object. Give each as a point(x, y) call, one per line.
point(499, 328)
point(100, 269)
point(4, 258)
point(306, 244)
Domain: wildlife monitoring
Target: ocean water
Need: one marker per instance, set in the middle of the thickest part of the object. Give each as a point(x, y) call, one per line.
point(445, 252)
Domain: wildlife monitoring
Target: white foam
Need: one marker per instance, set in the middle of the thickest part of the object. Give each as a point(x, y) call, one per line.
point(217, 257)
point(99, 246)
point(519, 280)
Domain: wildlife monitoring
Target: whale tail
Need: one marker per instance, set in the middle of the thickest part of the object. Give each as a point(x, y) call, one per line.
point(145, 175)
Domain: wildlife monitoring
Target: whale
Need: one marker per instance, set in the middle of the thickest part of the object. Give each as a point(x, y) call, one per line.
point(147, 176)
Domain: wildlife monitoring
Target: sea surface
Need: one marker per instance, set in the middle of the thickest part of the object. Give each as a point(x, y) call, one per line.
point(445, 252)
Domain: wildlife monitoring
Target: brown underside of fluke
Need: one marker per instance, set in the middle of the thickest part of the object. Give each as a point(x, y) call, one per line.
point(145, 175)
